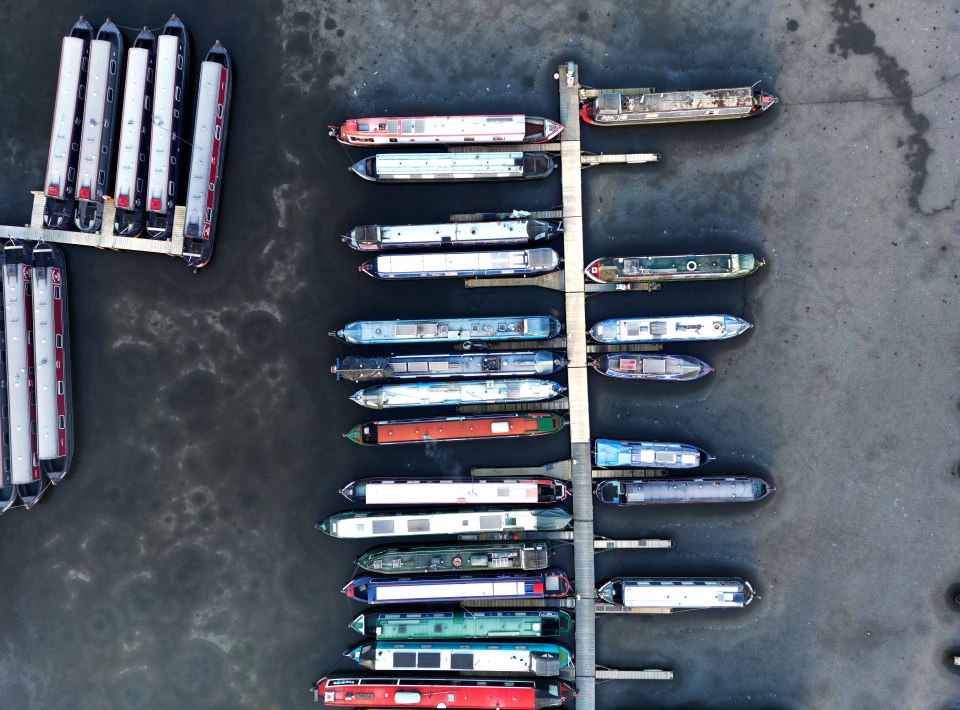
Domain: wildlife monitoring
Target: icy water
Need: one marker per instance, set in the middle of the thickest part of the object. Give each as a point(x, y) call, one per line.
point(178, 567)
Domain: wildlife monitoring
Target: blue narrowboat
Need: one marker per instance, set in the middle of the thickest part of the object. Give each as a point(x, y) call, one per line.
point(372, 589)
point(608, 453)
point(449, 330)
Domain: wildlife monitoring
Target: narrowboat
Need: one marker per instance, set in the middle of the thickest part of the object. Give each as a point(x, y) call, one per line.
point(481, 426)
point(133, 153)
point(439, 366)
point(25, 471)
point(401, 626)
point(549, 584)
point(453, 167)
point(8, 489)
point(166, 137)
point(449, 491)
point(608, 453)
point(361, 524)
point(433, 394)
point(710, 489)
point(518, 232)
point(51, 346)
point(688, 267)
point(650, 366)
point(473, 556)
point(520, 262)
point(452, 693)
point(60, 182)
point(542, 659)
point(669, 595)
point(450, 330)
point(99, 129)
point(668, 328)
point(629, 109)
point(206, 158)
point(395, 131)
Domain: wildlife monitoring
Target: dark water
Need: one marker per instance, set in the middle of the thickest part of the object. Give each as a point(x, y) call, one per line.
point(178, 566)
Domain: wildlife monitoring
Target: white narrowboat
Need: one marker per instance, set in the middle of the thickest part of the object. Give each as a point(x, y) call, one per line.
point(362, 525)
point(668, 328)
point(667, 595)
point(424, 130)
point(544, 659)
point(437, 394)
point(520, 262)
point(372, 237)
point(453, 167)
point(439, 491)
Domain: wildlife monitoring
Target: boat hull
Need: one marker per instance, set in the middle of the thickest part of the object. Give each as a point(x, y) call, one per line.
point(422, 431)
point(371, 589)
point(710, 489)
point(448, 491)
point(396, 131)
point(516, 231)
point(464, 556)
point(530, 363)
point(649, 366)
point(416, 626)
point(666, 595)
point(608, 453)
point(626, 109)
point(689, 267)
point(668, 329)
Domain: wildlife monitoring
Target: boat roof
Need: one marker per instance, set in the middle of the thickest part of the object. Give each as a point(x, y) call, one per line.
point(477, 163)
point(740, 97)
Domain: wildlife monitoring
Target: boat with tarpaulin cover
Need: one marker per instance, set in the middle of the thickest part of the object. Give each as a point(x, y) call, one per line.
point(632, 107)
point(432, 130)
point(464, 556)
point(482, 426)
point(531, 363)
point(709, 489)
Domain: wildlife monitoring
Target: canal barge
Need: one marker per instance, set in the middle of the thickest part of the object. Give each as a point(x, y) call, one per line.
point(519, 262)
point(99, 129)
point(164, 175)
point(8, 489)
point(449, 491)
point(451, 693)
point(626, 108)
point(206, 157)
point(362, 524)
point(60, 181)
point(517, 232)
point(668, 595)
point(134, 143)
point(668, 328)
point(542, 659)
point(710, 489)
point(449, 330)
point(608, 453)
point(51, 347)
point(393, 131)
point(481, 426)
point(688, 267)
point(453, 167)
point(416, 626)
point(434, 394)
point(650, 366)
point(472, 556)
point(521, 363)
point(549, 584)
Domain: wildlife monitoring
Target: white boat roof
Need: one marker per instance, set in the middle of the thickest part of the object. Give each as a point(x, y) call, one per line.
point(510, 127)
point(440, 523)
point(412, 394)
point(396, 493)
point(18, 391)
point(414, 164)
point(46, 361)
point(128, 147)
point(94, 107)
point(541, 259)
point(425, 589)
point(164, 90)
point(64, 112)
point(693, 594)
point(205, 131)
point(454, 232)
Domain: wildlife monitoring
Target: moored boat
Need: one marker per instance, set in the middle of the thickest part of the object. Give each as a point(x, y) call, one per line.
point(449, 491)
point(206, 158)
point(433, 394)
point(668, 328)
point(452, 693)
point(449, 330)
point(661, 595)
point(709, 489)
point(625, 108)
point(542, 659)
point(133, 150)
point(520, 262)
point(410, 626)
point(424, 130)
point(446, 365)
point(463, 556)
point(98, 132)
point(650, 366)
point(456, 234)
point(51, 346)
point(164, 175)
point(362, 524)
point(688, 267)
point(8, 489)
point(453, 167)
point(60, 182)
point(608, 453)
point(482, 426)
point(369, 589)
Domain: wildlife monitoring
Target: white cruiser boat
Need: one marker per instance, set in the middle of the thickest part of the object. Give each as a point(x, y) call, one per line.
point(521, 262)
point(360, 524)
point(668, 328)
point(453, 167)
point(423, 130)
point(130, 183)
point(476, 657)
point(433, 394)
point(97, 134)
point(169, 104)
point(375, 332)
point(440, 491)
point(666, 595)
point(608, 453)
point(520, 231)
point(60, 182)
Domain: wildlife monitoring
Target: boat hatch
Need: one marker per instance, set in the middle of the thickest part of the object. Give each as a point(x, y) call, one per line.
point(552, 583)
point(545, 664)
point(607, 105)
point(500, 427)
point(491, 364)
point(658, 327)
point(655, 367)
point(405, 697)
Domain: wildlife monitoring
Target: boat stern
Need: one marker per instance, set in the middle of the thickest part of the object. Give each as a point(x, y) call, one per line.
point(762, 101)
point(355, 434)
point(82, 29)
point(359, 625)
point(607, 591)
point(347, 491)
point(551, 129)
point(366, 168)
point(369, 268)
point(327, 526)
point(735, 326)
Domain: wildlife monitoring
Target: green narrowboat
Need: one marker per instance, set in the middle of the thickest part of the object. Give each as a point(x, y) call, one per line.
point(685, 267)
point(393, 626)
point(462, 557)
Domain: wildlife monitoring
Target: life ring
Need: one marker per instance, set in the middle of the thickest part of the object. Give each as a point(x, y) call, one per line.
point(717, 326)
point(691, 265)
point(457, 561)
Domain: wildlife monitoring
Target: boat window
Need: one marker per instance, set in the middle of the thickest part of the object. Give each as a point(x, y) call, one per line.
point(382, 527)
point(176, 93)
point(71, 173)
point(176, 113)
point(490, 522)
point(62, 422)
point(363, 127)
point(179, 66)
point(83, 66)
point(59, 341)
point(149, 73)
point(56, 296)
point(393, 140)
point(210, 186)
point(100, 175)
point(216, 132)
point(146, 103)
point(140, 182)
point(110, 94)
point(171, 187)
point(209, 213)
point(418, 525)
point(60, 387)
point(219, 110)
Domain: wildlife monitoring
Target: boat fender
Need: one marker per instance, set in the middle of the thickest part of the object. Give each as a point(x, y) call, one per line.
point(691, 265)
point(457, 561)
